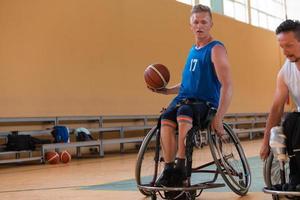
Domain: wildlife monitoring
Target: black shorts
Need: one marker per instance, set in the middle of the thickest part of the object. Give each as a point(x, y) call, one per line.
point(197, 111)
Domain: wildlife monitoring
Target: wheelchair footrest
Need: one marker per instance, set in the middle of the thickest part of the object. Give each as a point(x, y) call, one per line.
point(281, 193)
point(200, 186)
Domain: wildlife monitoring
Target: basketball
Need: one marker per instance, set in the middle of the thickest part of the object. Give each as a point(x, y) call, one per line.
point(157, 76)
point(65, 157)
point(52, 157)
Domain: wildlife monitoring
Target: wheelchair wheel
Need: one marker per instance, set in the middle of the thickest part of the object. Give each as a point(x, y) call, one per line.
point(230, 159)
point(272, 173)
point(149, 163)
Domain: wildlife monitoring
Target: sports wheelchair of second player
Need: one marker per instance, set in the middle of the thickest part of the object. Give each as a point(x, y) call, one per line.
point(229, 161)
point(276, 168)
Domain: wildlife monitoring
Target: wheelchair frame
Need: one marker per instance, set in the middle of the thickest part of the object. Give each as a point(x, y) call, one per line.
point(222, 162)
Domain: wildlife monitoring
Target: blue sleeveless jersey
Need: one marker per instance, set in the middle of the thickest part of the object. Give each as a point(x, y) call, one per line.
point(199, 79)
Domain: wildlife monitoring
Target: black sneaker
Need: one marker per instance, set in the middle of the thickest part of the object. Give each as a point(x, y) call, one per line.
point(179, 177)
point(165, 178)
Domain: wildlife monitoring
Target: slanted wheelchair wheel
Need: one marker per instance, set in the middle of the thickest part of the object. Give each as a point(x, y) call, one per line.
point(272, 173)
point(149, 163)
point(230, 159)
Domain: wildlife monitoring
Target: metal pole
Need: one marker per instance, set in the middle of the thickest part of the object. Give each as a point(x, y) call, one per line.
point(249, 11)
point(282, 172)
point(285, 9)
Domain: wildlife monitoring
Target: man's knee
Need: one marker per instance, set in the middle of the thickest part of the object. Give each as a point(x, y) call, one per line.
point(168, 125)
point(184, 121)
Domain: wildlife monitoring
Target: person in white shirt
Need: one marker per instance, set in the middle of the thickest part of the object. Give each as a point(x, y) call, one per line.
point(288, 79)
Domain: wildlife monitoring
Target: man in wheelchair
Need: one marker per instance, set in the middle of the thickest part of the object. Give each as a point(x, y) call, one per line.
point(288, 82)
point(206, 78)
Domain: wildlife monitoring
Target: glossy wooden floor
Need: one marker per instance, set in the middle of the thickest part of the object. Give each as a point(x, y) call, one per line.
point(65, 181)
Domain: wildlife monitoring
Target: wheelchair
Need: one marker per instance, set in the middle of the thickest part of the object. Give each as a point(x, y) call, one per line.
point(276, 172)
point(229, 161)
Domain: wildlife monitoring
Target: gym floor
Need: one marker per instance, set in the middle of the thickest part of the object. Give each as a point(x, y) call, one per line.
point(111, 177)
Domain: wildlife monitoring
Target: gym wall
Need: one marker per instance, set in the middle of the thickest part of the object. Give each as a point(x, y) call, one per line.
point(78, 57)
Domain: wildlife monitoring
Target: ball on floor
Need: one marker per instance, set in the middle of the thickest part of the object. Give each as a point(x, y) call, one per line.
point(65, 157)
point(52, 157)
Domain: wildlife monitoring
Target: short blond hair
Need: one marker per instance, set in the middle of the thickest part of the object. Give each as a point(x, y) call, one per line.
point(201, 8)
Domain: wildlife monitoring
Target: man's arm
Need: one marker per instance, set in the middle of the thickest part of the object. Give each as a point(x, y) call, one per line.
point(281, 95)
point(222, 68)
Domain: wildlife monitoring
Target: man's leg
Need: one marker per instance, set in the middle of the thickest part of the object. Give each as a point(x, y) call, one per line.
point(185, 123)
point(168, 140)
point(168, 144)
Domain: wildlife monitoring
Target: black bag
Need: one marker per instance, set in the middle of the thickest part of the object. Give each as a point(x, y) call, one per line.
point(19, 142)
point(291, 128)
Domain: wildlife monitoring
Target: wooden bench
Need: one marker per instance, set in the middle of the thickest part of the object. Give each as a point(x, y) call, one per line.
point(122, 139)
point(28, 120)
point(19, 160)
point(254, 122)
point(18, 156)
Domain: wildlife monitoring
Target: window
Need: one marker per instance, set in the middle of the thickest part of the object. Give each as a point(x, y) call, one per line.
point(204, 2)
point(293, 7)
point(195, 2)
point(189, 2)
point(262, 13)
point(237, 9)
point(267, 13)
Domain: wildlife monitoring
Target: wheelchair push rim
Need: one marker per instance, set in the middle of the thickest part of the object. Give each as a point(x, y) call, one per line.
point(227, 170)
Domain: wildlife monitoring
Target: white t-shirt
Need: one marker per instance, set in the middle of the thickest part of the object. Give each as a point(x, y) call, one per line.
point(291, 77)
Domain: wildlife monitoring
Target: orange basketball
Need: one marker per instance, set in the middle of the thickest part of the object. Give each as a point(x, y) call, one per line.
point(65, 157)
point(52, 157)
point(157, 76)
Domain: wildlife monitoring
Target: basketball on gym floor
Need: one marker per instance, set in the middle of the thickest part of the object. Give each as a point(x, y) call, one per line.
point(52, 157)
point(157, 76)
point(65, 157)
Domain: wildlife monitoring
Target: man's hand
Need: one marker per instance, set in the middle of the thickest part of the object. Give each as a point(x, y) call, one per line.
point(217, 126)
point(160, 91)
point(264, 151)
